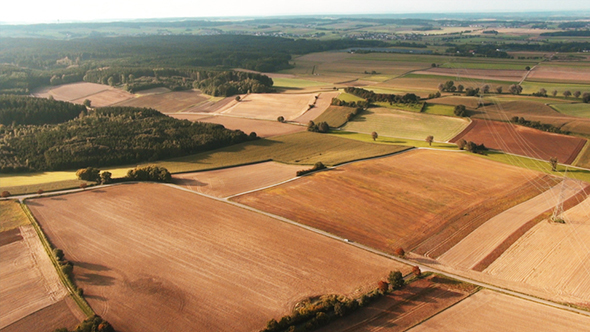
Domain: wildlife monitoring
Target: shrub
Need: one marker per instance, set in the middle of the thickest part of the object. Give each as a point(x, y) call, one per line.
point(396, 280)
point(83, 185)
point(88, 174)
point(399, 252)
point(317, 166)
point(383, 286)
point(106, 177)
point(281, 119)
point(58, 253)
point(416, 271)
point(461, 144)
point(149, 173)
point(5, 194)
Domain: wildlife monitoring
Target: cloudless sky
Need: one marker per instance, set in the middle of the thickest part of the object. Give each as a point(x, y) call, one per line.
point(50, 11)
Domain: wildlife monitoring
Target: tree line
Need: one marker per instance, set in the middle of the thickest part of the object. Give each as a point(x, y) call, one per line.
point(19, 110)
point(371, 96)
point(109, 136)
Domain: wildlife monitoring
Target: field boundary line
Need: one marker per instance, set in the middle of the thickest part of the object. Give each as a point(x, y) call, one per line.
point(80, 301)
point(581, 153)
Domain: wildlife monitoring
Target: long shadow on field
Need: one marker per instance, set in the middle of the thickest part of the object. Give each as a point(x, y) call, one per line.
point(190, 182)
point(95, 279)
point(91, 266)
point(95, 297)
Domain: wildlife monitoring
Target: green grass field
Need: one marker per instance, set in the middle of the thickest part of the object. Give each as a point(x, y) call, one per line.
point(347, 97)
point(11, 215)
point(439, 109)
point(529, 87)
point(458, 80)
point(411, 125)
point(581, 110)
point(335, 116)
point(405, 107)
point(296, 83)
point(392, 140)
point(487, 63)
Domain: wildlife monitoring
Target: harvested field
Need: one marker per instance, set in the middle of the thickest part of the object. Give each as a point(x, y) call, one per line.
point(29, 280)
point(400, 200)
point(403, 124)
point(490, 311)
point(214, 104)
point(63, 313)
point(262, 128)
point(469, 102)
point(321, 105)
point(478, 74)
point(545, 73)
point(269, 106)
point(584, 157)
point(404, 308)
point(168, 102)
point(100, 95)
point(484, 240)
point(532, 86)
point(230, 181)
point(185, 262)
point(523, 141)
point(11, 216)
point(335, 116)
point(537, 258)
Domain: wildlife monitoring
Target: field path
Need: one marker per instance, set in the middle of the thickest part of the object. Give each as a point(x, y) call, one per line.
point(481, 242)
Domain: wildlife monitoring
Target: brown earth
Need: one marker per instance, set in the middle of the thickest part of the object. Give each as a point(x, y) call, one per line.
point(403, 308)
point(522, 140)
point(230, 181)
point(167, 102)
point(322, 103)
point(211, 105)
point(269, 106)
point(479, 74)
point(29, 280)
point(396, 201)
point(574, 74)
point(99, 94)
point(63, 313)
point(490, 311)
point(262, 128)
point(105, 98)
point(151, 257)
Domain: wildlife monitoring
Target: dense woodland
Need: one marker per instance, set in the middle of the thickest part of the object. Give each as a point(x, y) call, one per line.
point(18, 110)
point(106, 137)
point(371, 96)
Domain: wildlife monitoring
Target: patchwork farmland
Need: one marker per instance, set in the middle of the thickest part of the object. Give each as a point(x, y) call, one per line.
point(149, 264)
point(99, 94)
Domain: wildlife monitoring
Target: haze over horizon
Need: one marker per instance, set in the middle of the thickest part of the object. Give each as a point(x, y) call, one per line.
point(61, 11)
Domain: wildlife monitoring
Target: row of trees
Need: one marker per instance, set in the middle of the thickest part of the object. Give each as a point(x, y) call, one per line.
point(538, 125)
point(371, 96)
point(107, 137)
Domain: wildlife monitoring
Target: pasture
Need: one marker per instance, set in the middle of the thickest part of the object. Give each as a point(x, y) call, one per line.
point(532, 86)
point(230, 181)
point(268, 106)
point(445, 110)
point(581, 110)
point(185, 262)
point(403, 124)
point(29, 280)
point(401, 200)
point(494, 312)
point(523, 141)
point(169, 102)
point(537, 258)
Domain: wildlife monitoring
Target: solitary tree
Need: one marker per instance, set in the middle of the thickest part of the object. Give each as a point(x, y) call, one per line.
point(416, 271)
point(577, 94)
point(527, 68)
point(383, 286)
point(106, 177)
point(5, 194)
point(460, 88)
point(461, 144)
point(238, 98)
point(374, 135)
point(396, 280)
point(567, 93)
point(485, 88)
point(553, 162)
point(429, 139)
point(554, 93)
point(281, 119)
point(499, 90)
point(399, 251)
point(441, 87)
point(460, 111)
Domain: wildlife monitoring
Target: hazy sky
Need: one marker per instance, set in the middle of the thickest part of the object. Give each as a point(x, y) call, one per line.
point(46, 11)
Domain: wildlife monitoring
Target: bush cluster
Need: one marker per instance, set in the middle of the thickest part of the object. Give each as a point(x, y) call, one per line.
point(91, 324)
point(320, 127)
point(537, 125)
point(371, 96)
point(316, 167)
point(149, 173)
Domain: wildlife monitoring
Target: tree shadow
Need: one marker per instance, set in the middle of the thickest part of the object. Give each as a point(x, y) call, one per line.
point(95, 279)
point(91, 266)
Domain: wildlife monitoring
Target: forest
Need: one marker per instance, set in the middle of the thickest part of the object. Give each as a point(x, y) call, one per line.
point(109, 136)
point(18, 110)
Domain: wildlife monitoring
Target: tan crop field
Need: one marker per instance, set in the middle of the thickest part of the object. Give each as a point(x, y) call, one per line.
point(63, 313)
point(547, 73)
point(153, 258)
point(551, 256)
point(484, 240)
point(100, 95)
point(321, 105)
point(11, 216)
point(268, 106)
point(479, 74)
point(262, 128)
point(168, 102)
point(488, 311)
point(230, 181)
point(523, 141)
point(401, 200)
point(29, 280)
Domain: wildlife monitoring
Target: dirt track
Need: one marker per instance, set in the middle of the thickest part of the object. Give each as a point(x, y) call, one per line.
point(153, 258)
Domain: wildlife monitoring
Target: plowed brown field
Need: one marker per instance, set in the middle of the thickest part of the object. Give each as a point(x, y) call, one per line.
point(99, 94)
point(522, 140)
point(63, 313)
point(269, 106)
point(400, 200)
point(488, 311)
point(575, 74)
point(29, 281)
point(167, 102)
point(230, 181)
point(551, 256)
point(153, 258)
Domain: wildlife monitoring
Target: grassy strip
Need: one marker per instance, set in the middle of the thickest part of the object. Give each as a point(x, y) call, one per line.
point(392, 140)
point(45, 186)
point(11, 216)
point(406, 107)
point(335, 116)
point(84, 306)
point(508, 242)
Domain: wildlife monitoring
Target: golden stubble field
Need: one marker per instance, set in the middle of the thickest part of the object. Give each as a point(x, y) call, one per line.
point(99, 94)
point(151, 258)
point(269, 106)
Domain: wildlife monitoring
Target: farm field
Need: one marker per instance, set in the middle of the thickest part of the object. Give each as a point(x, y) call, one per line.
point(478, 74)
point(482, 242)
point(537, 257)
point(262, 128)
point(11, 216)
point(296, 83)
point(186, 262)
point(29, 280)
point(406, 307)
point(169, 102)
point(230, 181)
point(100, 95)
point(335, 116)
point(439, 110)
point(267, 106)
point(401, 200)
point(523, 141)
point(532, 86)
point(322, 103)
point(548, 73)
point(61, 314)
point(393, 140)
point(578, 109)
point(468, 102)
point(490, 311)
point(396, 123)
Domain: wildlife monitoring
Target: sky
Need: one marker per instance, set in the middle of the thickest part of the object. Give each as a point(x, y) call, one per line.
point(44, 11)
